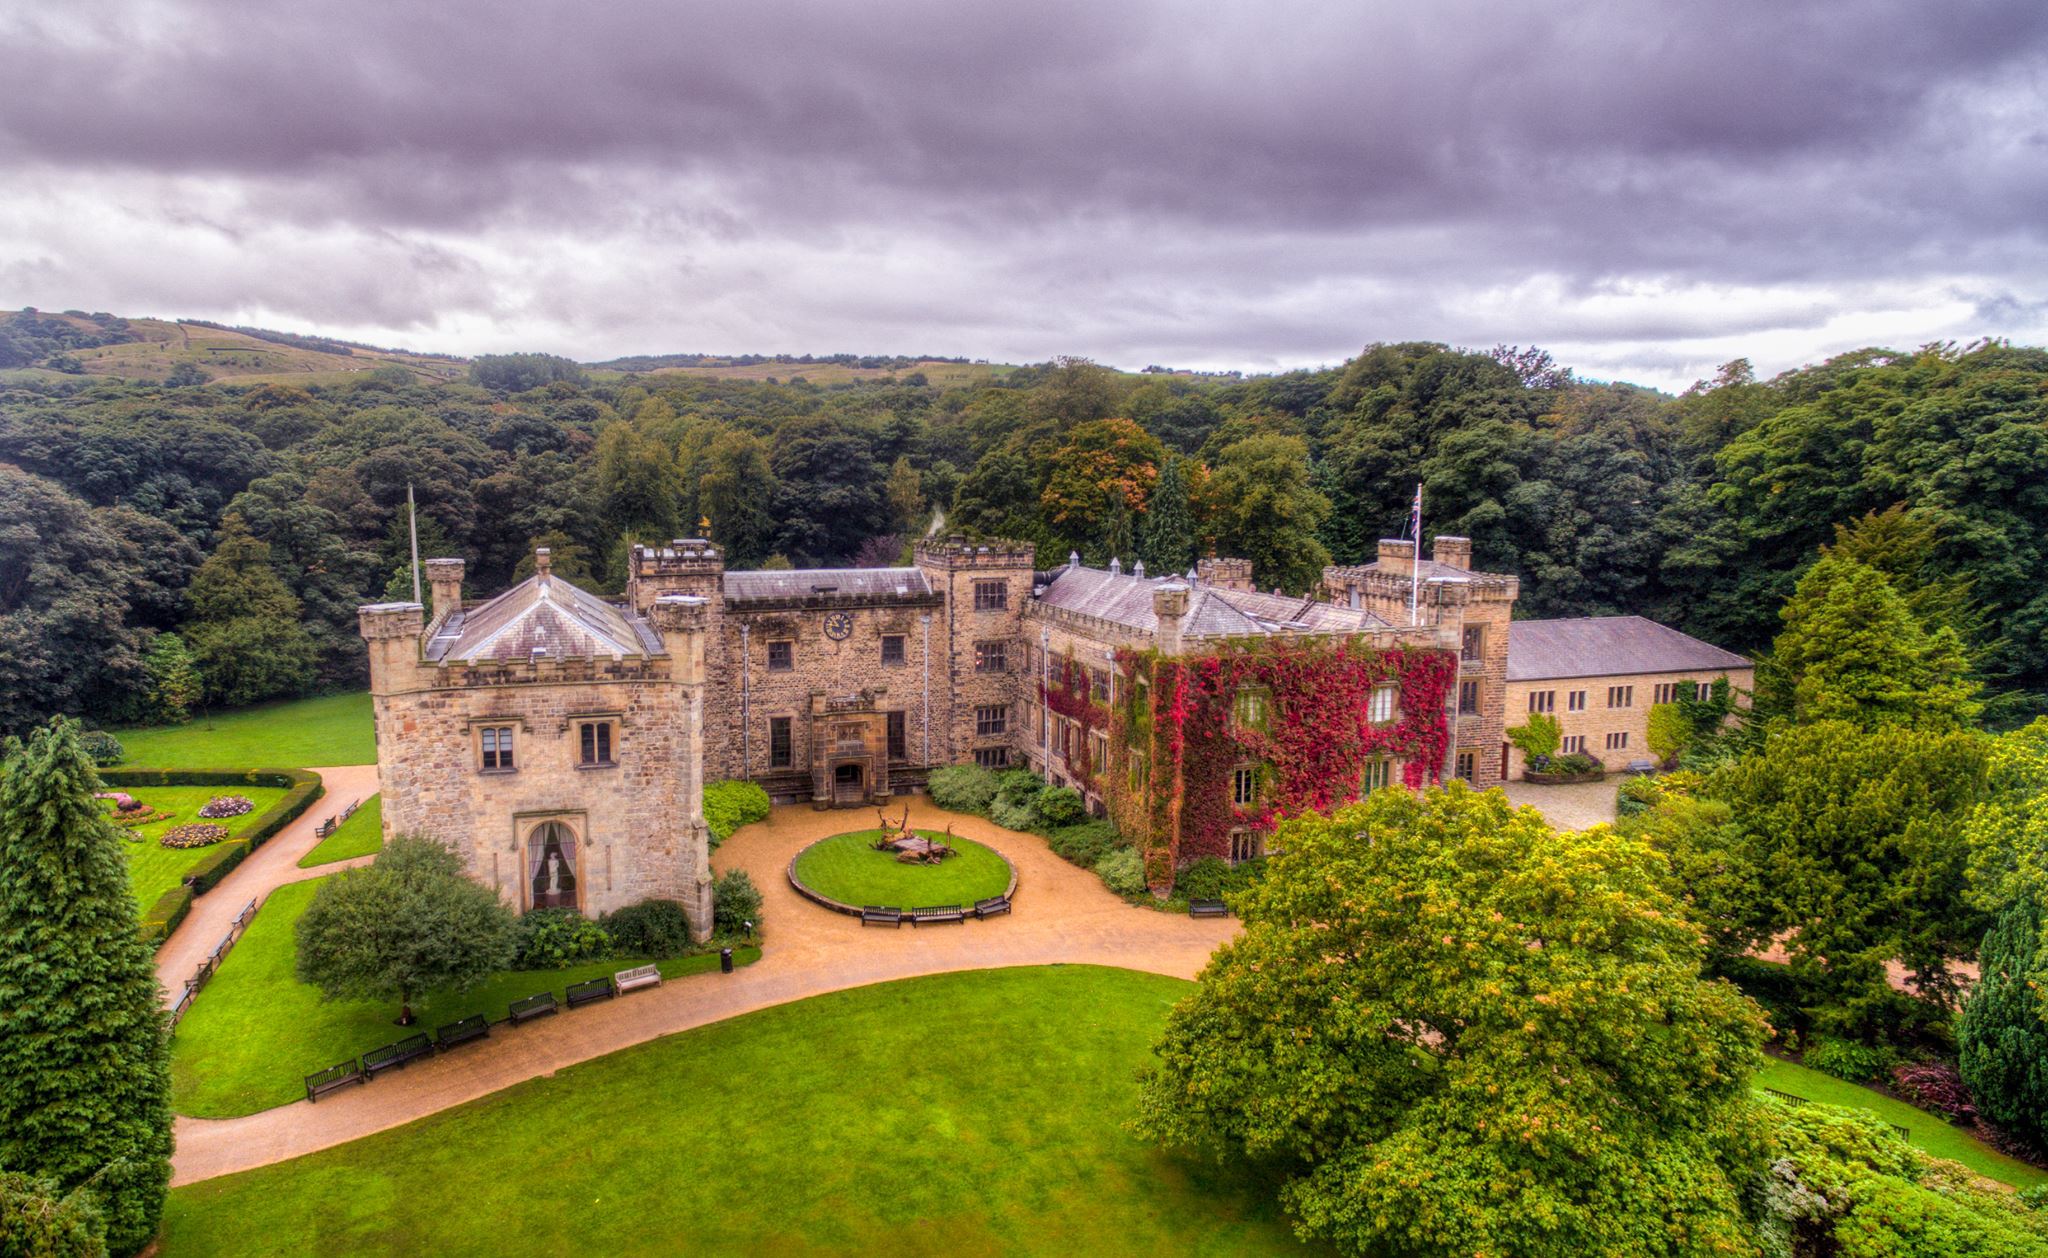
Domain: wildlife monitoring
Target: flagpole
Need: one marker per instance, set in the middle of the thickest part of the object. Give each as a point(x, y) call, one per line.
point(1415, 563)
point(412, 521)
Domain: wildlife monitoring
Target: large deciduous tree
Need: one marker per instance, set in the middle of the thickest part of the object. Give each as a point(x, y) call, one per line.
point(1101, 478)
point(1459, 1032)
point(409, 923)
point(84, 1053)
point(1264, 508)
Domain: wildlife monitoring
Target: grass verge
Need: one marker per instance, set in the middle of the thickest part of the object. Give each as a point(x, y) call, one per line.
point(360, 835)
point(294, 734)
point(1928, 1132)
point(972, 1113)
point(846, 869)
point(257, 1031)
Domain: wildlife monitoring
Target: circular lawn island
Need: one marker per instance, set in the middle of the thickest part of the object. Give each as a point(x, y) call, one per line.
point(848, 873)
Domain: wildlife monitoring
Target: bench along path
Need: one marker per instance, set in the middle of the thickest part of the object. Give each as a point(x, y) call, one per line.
point(1062, 914)
point(267, 868)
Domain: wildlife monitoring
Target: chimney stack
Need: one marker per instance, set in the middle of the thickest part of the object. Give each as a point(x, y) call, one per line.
point(1397, 557)
point(1452, 552)
point(543, 562)
point(1169, 604)
point(445, 576)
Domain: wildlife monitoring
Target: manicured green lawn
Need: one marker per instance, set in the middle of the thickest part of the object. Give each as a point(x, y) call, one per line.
point(153, 868)
point(360, 835)
point(1926, 1131)
point(295, 734)
point(256, 1032)
point(846, 869)
point(975, 1113)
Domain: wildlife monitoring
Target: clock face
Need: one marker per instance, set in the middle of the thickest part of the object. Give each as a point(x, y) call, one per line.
point(838, 626)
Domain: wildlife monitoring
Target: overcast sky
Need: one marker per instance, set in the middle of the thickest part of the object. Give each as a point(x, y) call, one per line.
point(1645, 189)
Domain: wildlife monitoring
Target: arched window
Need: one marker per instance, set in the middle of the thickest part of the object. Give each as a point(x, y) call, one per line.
point(551, 866)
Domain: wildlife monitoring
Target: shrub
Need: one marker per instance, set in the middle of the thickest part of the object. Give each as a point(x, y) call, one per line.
point(226, 806)
point(1636, 796)
point(1086, 843)
point(2002, 1031)
point(1060, 807)
point(1539, 738)
point(1013, 816)
point(962, 788)
point(1212, 878)
point(651, 928)
point(1576, 762)
point(549, 939)
point(1122, 871)
point(735, 901)
point(198, 834)
point(103, 748)
point(730, 805)
point(1018, 786)
point(165, 915)
point(1934, 1086)
point(1849, 1060)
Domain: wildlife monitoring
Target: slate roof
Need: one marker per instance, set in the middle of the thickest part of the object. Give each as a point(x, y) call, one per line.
point(1607, 646)
point(840, 583)
point(1125, 599)
point(542, 615)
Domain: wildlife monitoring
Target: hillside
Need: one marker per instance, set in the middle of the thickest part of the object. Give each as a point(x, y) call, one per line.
point(151, 349)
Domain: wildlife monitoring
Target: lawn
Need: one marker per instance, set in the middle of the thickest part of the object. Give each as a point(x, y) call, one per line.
point(1925, 1131)
point(972, 1113)
point(360, 835)
point(846, 869)
point(153, 868)
point(256, 1031)
point(296, 734)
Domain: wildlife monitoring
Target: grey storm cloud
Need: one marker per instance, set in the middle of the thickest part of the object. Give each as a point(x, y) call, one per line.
point(1248, 184)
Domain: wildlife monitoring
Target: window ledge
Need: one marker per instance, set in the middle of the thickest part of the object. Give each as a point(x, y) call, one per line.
point(496, 773)
point(602, 764)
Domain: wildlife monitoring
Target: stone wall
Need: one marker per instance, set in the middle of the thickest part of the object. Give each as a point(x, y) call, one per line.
point(1596, 721)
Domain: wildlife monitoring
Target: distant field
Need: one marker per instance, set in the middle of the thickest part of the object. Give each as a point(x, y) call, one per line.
point(246, 359)
point(297, 734)
point(939, 375)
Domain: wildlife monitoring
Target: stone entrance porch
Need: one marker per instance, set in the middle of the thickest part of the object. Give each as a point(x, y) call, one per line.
point(850, 750)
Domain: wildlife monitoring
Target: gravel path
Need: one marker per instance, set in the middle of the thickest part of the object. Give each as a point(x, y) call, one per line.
point(1062, 915)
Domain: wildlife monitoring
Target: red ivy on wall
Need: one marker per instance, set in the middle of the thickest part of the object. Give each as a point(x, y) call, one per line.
point(1066, 691)
point(1310, 750)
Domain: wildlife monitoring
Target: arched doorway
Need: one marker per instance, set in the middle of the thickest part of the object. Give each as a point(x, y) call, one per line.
point(849, 784)
point(551, 866)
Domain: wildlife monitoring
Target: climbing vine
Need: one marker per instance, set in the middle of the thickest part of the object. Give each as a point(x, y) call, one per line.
point(1067, 692)
point(1308, 742)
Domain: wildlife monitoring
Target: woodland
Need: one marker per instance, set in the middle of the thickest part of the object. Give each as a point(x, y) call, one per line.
point(198, 541)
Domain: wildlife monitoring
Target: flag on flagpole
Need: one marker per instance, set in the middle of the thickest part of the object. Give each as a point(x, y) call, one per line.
point(1415, 518)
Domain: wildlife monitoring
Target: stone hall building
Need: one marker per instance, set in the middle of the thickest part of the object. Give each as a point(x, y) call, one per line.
point(560, 741)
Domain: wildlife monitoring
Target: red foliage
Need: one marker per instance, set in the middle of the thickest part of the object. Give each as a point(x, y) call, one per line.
point(1314, 745)
point(1066, 692)
point(1934, 1086)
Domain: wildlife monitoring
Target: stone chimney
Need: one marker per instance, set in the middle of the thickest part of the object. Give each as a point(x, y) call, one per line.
point(445, 576)
point(1397, 557)
point(1169, 604)
point(1452, 552)
point(543, 562)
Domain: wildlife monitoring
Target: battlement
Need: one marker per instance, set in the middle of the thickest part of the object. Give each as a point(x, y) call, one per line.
point(958, 552)
point(1225, 574)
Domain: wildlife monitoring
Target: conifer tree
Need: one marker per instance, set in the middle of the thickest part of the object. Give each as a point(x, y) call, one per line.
point(1167, 542)
point(84, 1054)
point(2002, 1032)
point(1853, 651)
point(245, 633)
point(175, 687)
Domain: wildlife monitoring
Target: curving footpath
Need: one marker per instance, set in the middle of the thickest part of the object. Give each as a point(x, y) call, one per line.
point(266, 869)
point(1063, 915)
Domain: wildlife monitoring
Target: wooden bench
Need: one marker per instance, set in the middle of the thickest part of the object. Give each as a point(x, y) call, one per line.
point(875, 915)
point(593, 989)
point(1208, 908)
point(1642, 766)
point(462, 1031)
point(325, 1081)
point(993, 905)
point(392, 1056)
point(636, 978)
point(937, 913)
point(527, 1008)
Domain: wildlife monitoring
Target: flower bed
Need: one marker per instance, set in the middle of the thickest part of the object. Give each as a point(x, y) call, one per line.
point(226, 806)
point(198, 834)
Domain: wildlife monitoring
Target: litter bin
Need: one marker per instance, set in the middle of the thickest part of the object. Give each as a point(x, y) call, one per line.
point(725, 960)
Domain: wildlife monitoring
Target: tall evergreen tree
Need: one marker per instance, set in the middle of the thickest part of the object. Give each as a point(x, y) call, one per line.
point(1853, 651)
point(1167, 541)
point(84, 1046)
point(2002, 1032)
point(1265, 510)
point(245, 632)
point(175, 687)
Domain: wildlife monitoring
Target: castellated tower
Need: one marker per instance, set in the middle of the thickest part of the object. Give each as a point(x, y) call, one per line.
point(986, 587)
point(553, 740)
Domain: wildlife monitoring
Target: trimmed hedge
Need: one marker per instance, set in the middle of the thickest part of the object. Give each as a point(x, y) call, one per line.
point(301, 788)
point(730, 805)
point(165, 915)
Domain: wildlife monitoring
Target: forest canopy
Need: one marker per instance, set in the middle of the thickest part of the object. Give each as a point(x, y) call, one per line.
point(1703, 511)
